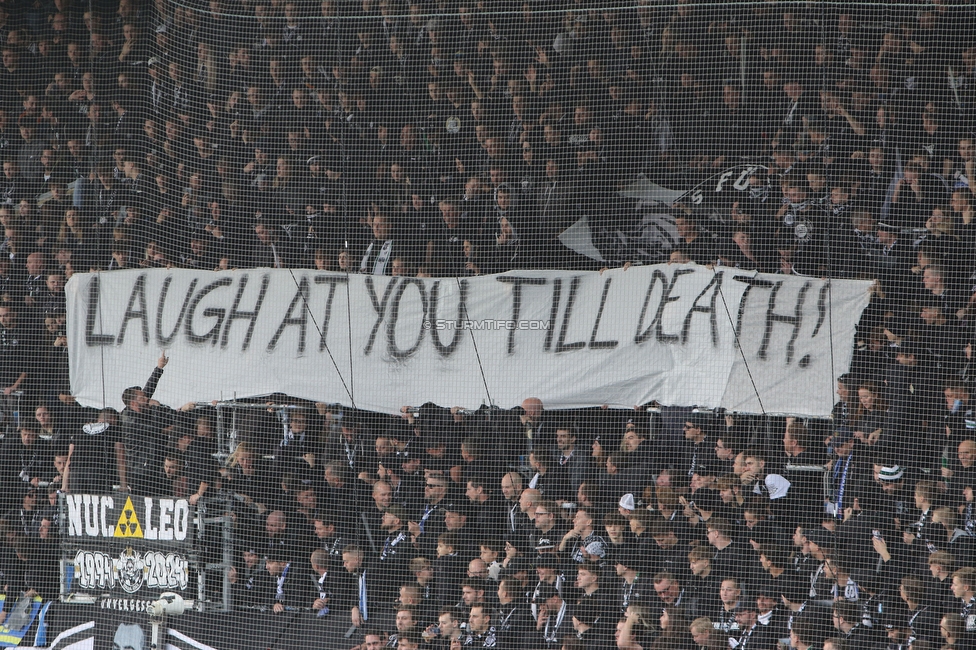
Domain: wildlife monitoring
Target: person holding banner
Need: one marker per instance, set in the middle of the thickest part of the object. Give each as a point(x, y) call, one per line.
point(142, 427)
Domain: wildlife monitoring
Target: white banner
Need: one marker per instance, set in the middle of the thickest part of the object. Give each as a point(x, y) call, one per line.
point(667, 333)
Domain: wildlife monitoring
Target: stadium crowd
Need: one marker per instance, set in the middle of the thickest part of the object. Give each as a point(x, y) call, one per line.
point(404, 137)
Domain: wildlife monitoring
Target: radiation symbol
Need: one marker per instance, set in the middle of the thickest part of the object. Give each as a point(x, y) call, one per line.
point(128, 524)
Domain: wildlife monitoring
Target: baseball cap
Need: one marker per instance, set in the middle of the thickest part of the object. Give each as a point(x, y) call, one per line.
point(764, 587)
point(820, 537)
point(517, 566)
point(891, 473)
point(546, 561)
point(596, 548)
point(632, 558)
point(458, 508)
point(697, 419)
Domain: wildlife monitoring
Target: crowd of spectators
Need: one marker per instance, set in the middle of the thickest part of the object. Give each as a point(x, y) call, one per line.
point(401, 137)
point(530, 528)
point(447, 139)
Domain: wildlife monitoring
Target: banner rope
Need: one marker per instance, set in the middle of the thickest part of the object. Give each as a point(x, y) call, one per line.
point(325, 343)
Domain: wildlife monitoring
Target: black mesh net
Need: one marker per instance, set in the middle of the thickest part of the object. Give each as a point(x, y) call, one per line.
point(526, 325)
